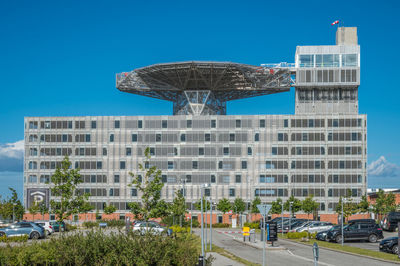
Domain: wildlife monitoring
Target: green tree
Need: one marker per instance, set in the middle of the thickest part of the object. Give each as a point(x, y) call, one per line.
point(309, 205)
point(43, 209)
point(349, 207)
point(254, 204)
point(363, 206)
point(63, 183)
point(390, 202)
point(239, 205)
point(178, 206)
point(224, 205)
point(206, 204)
point(152, 206)
point(379, 207)
point(296, 205)
point(11, 206)
point(110, 209)
point(276, 206)
point(33, 209)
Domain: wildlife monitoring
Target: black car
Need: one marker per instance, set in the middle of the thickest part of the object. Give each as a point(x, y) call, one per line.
point(389, 222)
point(362, 229)
point(322, 235)
point(390, 245)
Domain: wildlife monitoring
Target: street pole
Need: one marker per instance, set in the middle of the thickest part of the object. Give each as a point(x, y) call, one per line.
point(191, 216)
point(202, 233)
point(13, 214)
point(342, 224)
point(282, 219)
point(290, 214)
point(205, 223)
point(264, 238)
point(211, 207)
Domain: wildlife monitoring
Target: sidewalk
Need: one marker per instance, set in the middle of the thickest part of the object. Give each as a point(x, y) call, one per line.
point(257, 244)
point(222, 260)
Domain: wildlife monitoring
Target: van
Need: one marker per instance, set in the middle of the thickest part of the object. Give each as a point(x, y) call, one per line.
point(390, 220)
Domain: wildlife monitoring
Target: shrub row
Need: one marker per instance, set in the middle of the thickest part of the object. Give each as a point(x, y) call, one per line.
point(97, 248)
point(298, 235)
point(110, 223)
point(5, 239)
point(180, 229)
point(255, 225)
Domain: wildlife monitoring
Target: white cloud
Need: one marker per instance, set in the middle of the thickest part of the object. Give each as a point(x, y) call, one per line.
point(12, 150)
point(383, 168)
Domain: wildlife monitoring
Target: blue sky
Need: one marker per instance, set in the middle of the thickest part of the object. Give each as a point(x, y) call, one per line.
point(59, 58)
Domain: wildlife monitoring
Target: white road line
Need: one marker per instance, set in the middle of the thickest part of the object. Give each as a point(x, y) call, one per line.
point(307, 259)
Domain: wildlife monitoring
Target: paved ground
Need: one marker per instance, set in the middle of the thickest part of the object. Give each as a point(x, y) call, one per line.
point(295, 254)
point(222, 260)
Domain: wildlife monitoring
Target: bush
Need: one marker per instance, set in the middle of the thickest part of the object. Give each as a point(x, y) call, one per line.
point(221, 225)
point(97, 248)
point(113, 223)
point(255, 225)
point(179, 229)
point(89, 224)
point(298, 235)
point(5, 239)
point(70, 227)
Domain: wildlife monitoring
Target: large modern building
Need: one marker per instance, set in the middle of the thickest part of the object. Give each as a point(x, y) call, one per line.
point(320, 150)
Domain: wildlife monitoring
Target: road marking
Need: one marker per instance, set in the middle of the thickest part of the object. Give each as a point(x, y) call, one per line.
point(307, 259)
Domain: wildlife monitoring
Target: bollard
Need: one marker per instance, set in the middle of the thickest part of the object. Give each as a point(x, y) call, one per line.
point(252, 237)
point(201, 261)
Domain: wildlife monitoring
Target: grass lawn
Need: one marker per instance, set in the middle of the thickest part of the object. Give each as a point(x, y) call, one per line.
point(345, 248)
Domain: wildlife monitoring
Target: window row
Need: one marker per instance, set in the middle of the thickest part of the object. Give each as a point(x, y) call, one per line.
point(270, 192)
point(307, 123)
point(308, 150)
point(348, 179)
point(327, 95)
point(344, 150)
point(55, 151)
point(308, 136)
point(344, 165)
point(345, 122)
point(328, 60)
point(273, 179)
point(340, 136)
point(308, 179)
point(307, 165)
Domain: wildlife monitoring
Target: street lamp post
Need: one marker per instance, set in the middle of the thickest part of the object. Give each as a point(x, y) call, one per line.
point(202, 224)
point(205, 223)
point(191, 216)
point(290, 214)
point(282, 218)
point(211, 207)
point(343, 201)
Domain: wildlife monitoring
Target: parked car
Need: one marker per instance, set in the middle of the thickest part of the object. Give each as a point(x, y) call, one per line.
point(30, 229)
point(322, 235)
point(48, 228)
point(389, 245)
point(142, 227)
point(362, 229)
point(315, 226)
point(290, 225)
point(5, 223)
point(57, 226)
point(277, 220)
point(390, 220)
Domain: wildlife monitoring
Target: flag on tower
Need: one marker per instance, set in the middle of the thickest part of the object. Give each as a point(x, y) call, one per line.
point(335, 22)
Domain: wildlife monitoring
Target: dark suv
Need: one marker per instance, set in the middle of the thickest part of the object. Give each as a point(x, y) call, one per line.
point(362, 229)
point(390, 221)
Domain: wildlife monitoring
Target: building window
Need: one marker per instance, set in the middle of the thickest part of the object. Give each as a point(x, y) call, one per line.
point(152, 151)
point(220, 165)
point(212, 178)
point(134, 192)
point(92, 179)
point(274, 151)
point(158, 137)
point(335, 179)
point(128, 151)
point(111, 192)
point(269, 165)
point(244, 164)
point(104, 151)
point(310, 122)
point(238, 123)
point(183, 137)
point(32, 179)
point(188, 178)
point(207, 137)
point(189, 123)
point(285, 123)
point(238, 179)
point(140, 178)
point(311, 179)
point(111, 137)
point(33, 151)
point(32, 165)
point(262, 123)
point(213, 123)
point(335, 123)
point(354, 136)
point(164, 179)
point(87, 138)
point(194, 165)
point(170, 165)
point(94, 124)
point(231, 137)
point(231, 192)
point(134, 137)
point(305, 137)
point(164, 124)
point(116, 178)
point(140, 124)
point(116, 124)
point(226, 151)
point(249, 151)
point(257, 137)
point(330, 136)
point(348, 150)
point(122, 165)
point(99, 165)
point(201, 151)
point(341, 164)
point(207, 192)
point(280, 136)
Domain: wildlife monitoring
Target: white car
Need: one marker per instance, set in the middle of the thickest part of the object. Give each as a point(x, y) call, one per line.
point(153, 227)
point(315, 226)
point(48, 229)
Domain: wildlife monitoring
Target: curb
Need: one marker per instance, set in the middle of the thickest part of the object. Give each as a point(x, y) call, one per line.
point(345, 252)
point(257, 247)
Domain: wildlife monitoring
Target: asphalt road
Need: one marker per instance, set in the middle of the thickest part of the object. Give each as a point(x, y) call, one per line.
point(296, 254)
